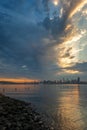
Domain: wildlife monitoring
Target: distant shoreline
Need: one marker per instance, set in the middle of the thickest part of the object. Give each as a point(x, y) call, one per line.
point(4, 83)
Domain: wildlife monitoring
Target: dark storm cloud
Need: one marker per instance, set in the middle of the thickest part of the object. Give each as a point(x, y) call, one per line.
point(21, 43)
point(19, 5)
point(56, 25)
point(46, 5)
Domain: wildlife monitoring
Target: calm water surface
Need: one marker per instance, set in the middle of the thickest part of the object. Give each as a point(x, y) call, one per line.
point(65, 106)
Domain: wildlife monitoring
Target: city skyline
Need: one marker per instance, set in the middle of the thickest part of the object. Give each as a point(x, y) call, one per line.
point(63, 80)
point(43, 39)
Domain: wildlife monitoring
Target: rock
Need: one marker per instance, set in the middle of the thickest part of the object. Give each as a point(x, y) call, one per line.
point(51, 128)
point(40, 122)
point(18, 115)
point(4, 128)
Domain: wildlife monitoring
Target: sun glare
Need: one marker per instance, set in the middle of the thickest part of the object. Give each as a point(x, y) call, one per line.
point(55, 2)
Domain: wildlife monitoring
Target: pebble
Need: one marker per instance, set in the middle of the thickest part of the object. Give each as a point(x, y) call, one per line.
point(18, 115)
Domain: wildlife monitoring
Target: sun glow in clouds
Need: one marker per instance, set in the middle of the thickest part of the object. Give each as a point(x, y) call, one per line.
point(71, 71)
point(67, 55)
point(55, 2)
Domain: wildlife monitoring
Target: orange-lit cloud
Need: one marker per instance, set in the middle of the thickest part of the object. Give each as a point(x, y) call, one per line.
point(71, 71)
point(68, 51)
point(76, 5)
point(68, 71)
point(18, 80)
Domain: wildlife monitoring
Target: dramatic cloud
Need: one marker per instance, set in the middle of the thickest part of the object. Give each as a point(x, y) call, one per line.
point(41, 38)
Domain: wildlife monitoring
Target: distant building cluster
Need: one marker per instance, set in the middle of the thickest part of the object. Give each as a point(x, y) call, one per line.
point(62, 81)
point(65, 81)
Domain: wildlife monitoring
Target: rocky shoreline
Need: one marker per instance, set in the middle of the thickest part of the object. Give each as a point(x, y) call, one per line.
point(18, 115)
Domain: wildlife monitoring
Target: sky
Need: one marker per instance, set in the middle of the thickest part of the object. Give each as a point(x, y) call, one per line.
point(43, 39)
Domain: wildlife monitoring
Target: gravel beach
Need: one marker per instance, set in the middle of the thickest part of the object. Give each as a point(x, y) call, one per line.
point(18, 115)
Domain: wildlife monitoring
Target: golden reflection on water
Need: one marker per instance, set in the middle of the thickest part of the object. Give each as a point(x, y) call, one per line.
point(69, 114)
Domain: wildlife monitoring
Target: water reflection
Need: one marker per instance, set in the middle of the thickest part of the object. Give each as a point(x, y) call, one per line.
point(69, 110)
point(17, 89)
point(64, 105)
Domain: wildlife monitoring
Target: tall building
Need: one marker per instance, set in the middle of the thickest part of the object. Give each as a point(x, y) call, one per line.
point(78, 80)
